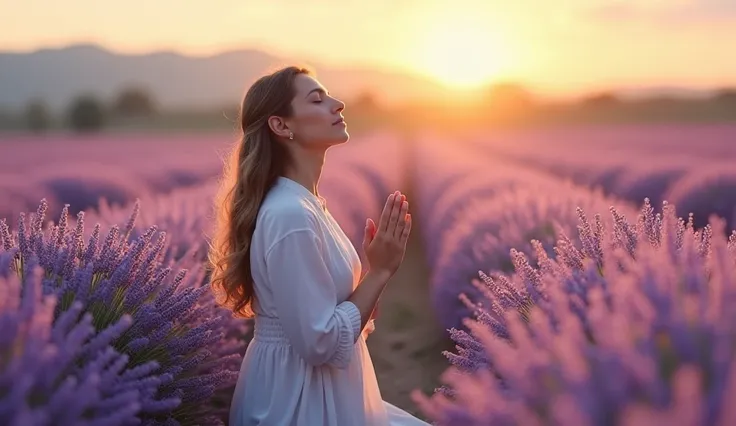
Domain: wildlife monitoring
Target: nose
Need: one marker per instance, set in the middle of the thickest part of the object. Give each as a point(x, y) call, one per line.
point(339, 106)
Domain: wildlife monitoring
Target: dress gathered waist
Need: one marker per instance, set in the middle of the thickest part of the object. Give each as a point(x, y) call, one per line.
point(269, 330)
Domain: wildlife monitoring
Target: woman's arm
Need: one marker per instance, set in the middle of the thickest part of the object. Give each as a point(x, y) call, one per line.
point(366, 296)
point(319, 328)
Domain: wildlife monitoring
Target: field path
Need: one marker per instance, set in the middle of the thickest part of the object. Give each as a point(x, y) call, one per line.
point(407, 345)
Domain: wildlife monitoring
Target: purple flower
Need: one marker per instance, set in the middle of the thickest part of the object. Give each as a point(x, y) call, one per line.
point(631, 326)
point(54, 370)
point(487, 230)
point(172, 312)
point(183, 214)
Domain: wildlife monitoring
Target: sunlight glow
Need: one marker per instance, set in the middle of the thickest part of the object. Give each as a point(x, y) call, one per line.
point(461, 51)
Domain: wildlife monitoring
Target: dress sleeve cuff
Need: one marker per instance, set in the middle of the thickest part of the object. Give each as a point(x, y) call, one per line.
point(350, 333)
point(353, 314)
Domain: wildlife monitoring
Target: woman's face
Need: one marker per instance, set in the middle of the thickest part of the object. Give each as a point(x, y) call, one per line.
point(317, 120)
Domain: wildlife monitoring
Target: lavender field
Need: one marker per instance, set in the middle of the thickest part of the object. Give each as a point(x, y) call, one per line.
point(106, 313)
point(563, 296)
point(690, 166)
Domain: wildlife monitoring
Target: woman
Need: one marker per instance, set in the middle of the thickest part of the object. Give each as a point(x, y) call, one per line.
point(279, 256)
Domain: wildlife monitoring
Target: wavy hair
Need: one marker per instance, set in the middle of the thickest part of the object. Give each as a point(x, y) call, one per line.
point(254, 164)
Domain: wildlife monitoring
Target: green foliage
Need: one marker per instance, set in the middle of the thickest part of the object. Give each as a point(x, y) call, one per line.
point(37, 116)
point(86, 114)
point(726, 97)
point(134, 102)
point(600, 100)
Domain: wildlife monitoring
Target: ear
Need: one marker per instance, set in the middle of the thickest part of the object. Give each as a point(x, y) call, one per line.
point(278, 126)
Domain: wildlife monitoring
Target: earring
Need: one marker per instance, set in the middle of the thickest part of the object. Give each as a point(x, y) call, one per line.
point(291, 136)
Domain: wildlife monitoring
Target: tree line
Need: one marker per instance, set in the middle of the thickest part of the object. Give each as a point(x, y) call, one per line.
point(88, 113)
point(498, 103)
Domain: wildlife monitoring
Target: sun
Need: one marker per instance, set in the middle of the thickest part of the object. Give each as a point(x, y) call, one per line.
point(462, 52)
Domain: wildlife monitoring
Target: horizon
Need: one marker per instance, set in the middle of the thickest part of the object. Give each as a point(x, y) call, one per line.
point(556, 50)
point(632, 92)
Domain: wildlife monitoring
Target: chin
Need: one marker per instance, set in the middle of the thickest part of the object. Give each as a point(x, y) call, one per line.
point(334, 138)
point(342, 137)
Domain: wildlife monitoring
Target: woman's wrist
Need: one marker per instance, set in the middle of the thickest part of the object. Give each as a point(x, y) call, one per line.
point(366, 295)
point(378, 274)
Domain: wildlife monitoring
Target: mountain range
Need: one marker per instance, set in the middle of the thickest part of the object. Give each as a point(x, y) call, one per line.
point(57, 75)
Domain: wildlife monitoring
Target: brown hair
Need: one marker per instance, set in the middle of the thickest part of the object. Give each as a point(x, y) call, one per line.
point(253, 167)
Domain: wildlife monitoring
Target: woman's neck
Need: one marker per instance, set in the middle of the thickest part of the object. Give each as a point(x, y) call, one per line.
point(306, 169)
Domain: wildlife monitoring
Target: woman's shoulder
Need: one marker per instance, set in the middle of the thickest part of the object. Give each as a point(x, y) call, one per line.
point(282, 213)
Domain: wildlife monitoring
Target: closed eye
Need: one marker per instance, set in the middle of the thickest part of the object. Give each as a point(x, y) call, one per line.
point(319, 91)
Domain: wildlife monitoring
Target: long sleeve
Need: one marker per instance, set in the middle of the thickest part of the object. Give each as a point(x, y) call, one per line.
point(319, 329)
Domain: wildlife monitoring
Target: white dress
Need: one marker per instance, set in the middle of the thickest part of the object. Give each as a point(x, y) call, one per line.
point(308, 363)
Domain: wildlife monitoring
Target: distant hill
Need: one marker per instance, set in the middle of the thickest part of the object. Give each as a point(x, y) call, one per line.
point(176, 80)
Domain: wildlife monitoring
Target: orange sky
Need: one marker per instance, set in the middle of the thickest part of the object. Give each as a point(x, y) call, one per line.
point(557, 47)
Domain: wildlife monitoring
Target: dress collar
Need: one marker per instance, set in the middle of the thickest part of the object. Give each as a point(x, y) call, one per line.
point(301, 189)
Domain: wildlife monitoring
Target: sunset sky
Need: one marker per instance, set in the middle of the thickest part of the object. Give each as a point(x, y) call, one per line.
point(555, 46)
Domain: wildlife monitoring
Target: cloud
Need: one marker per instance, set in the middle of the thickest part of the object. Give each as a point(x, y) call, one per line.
point(666, 13)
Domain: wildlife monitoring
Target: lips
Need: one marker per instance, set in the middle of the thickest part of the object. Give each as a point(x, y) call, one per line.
point(339, 121)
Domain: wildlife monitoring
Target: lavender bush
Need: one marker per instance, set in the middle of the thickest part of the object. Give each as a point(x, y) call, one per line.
point(652, 182)
point(54, 370)
point(487, 229)
point(185, 215)
point(176, 337)
point(18, 194)
point(478, 191)
point(83, 187)
point(705, 192)
point(632, 329)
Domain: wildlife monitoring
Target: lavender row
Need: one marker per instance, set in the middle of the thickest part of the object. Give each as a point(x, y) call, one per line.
point(111, 172)
point(631, 329)
point(689, 166)
point(357, 179)
point(378, 158)
point(119, 168)
point(472, 219)
point(447, 177)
